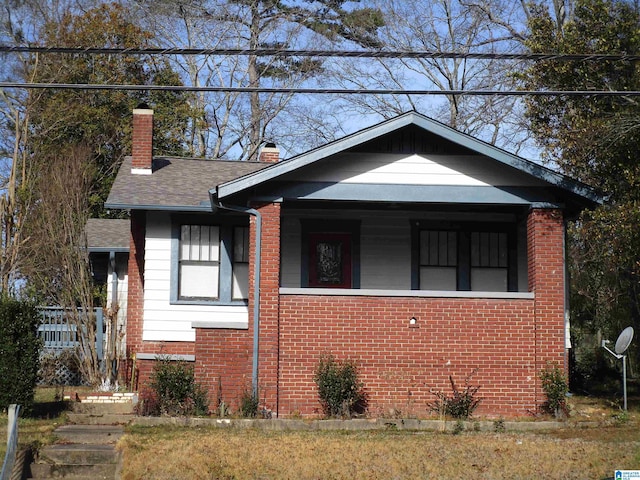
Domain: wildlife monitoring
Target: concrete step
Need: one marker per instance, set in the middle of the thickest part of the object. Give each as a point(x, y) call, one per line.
point(77, 454)
point(99, 418)
point(102, 408)
point(82, 452)
point(42, 471)
point(89, 434)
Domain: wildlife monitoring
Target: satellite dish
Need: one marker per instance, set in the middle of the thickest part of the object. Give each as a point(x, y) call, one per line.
point(624, 340)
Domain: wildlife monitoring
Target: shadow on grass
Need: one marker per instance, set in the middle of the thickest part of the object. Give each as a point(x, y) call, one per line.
point(48, 410)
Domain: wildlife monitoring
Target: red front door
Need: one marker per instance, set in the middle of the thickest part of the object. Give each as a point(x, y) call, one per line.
point(330, 260)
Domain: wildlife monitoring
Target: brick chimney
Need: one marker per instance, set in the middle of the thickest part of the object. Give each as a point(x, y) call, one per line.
point(142, 147)
point(269, 153)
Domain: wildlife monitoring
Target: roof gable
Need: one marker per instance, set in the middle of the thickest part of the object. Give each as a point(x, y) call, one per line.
point(399, 135)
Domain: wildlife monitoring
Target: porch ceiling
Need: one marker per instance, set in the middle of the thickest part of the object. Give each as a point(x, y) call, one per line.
point(408, 194)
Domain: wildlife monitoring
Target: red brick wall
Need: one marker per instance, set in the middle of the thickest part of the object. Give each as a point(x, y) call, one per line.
point(504, 342)
point(400, 365)
point(269, 302)
point(224, 358)
point(223, 364)
point(135, 287)
point(545, 240)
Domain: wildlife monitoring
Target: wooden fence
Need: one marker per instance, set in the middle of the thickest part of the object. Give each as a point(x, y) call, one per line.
point(59, 333)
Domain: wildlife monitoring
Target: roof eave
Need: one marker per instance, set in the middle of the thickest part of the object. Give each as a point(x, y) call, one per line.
point(167, 208)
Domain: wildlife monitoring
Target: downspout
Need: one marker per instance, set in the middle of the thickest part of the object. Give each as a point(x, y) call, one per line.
point(113, 325)
point(217, 205)
point(567, 298)
point(114, 277)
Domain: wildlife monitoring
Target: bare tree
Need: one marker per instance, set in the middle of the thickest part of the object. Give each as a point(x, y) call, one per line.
point(441, 26)
point(237, 124)
point(56, 256)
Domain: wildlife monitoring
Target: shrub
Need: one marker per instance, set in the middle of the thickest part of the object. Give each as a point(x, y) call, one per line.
point(176, 390)
point(249, 404)
point(458, 427)
point(148, 403)
point(499, 426)
point(19, 352)
point(460, 404)
point(554, 384)
point(341, 392)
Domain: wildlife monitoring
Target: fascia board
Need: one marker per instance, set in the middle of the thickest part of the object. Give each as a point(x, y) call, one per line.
point(163, 208)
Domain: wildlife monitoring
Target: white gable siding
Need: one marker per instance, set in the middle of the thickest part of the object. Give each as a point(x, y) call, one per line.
point(164, 321)
point(414, 169)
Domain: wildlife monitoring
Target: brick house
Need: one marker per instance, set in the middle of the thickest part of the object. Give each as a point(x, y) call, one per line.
point(409, 247)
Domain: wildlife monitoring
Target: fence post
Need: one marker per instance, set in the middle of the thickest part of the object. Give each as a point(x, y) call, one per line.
point(14, 410)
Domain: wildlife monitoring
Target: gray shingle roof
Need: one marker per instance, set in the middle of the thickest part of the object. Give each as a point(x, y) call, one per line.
point(175, 184)
point(105, 234)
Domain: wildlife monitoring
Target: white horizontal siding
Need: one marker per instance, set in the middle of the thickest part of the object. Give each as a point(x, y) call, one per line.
point(164, 321)
point(385, 251)
point(396, 169)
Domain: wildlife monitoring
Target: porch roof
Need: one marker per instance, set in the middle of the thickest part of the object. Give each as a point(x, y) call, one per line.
point(107, 235)
point(574, 191)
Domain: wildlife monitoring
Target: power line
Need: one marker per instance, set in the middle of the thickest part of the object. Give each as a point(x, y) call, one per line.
point(262, 52)
point(334, 91)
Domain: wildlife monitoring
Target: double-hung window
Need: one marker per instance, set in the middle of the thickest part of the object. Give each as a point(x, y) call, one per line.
point(465, 257)
point(199, 264)
point(240, 288)
point(211, 263)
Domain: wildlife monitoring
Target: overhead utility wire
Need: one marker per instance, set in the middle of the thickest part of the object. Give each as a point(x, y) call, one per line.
point(262, 52)
point(360, 91)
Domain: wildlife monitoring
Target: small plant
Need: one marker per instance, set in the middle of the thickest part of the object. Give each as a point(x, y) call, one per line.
point(499, 425)
point(249, 403)
point(460, 404)
point(148, 403)
point(621, 418)
point(177, 392)
point(555, 387)
point(341, 392)
point(458, 427)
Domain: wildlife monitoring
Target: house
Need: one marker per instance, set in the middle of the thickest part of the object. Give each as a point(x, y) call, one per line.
point(108, 248)
point(414, 249)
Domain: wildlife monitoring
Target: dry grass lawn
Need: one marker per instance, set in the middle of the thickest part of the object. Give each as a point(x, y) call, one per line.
point(188, 453)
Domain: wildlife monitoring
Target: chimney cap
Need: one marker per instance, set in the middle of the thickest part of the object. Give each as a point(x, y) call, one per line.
point(270, 145)
point(143, 106)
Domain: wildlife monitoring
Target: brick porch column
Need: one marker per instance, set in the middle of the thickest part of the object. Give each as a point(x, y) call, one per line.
point(135, 290)
point(545, 239)
point(269, 302)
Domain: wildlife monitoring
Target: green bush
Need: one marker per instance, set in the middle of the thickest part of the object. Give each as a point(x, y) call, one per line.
point(175, 390)
point(460, 404)
point(19, 352)
point(341, 392)
point(249, 403)
point(555, 387)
